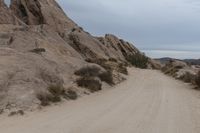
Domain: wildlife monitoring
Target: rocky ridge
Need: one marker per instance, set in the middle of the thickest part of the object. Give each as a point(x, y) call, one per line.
point(41, 47)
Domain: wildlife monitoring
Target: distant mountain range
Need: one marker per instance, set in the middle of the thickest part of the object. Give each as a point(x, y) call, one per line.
point(188, 61)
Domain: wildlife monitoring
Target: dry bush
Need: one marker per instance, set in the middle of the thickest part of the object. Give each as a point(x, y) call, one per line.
point(70, 94)
point(19, 112)
point(107, 77)
point(91, 83)
point(57, 92)
point(187, 77)
point(122, 68)
point(138, 60)
point(197, 79)
point(54, 94)
point(44, 98)
point(92, 71)
point(106, 64)
point(112, 59)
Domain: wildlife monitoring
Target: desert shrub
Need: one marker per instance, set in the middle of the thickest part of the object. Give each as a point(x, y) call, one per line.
point(94, 71)
point(44, 98)
point(54, 94)
point(187, 77)
point(19, 112)
point(106, 64)
point(138, 60)
point(197, 79)
point(1, 111)
point(91, 83)
point(88, 71)
point(112, 59)
point(57, 91)
point(70, 94)
point(171, 71)
point(122, 68)
point(107, 77)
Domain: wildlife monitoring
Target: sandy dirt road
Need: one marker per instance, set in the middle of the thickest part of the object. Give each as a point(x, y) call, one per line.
point(148, 102)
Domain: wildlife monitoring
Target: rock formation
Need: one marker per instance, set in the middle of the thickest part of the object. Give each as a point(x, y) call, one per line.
point(41, 47)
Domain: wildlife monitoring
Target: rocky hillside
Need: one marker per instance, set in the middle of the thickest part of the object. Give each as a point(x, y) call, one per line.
point(41, 49)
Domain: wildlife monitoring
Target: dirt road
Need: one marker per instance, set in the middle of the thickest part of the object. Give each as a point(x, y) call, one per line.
point(148, 102)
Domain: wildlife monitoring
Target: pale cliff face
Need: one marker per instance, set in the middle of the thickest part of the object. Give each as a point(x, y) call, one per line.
point(28, 26)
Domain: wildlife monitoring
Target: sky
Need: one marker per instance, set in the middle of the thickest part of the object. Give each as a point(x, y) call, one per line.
point(160, 28)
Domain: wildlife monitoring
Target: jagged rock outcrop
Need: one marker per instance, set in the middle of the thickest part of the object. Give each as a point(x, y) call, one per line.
point(6, 17)
point(42, 12)
point(41, 47)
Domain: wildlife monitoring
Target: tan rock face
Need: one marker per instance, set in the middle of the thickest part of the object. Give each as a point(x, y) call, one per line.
point(42, 12)
point(5, 15)
point(41, 46)
point(28, 11)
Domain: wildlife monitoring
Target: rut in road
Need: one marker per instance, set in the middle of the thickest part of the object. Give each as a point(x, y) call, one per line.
point(148, 102)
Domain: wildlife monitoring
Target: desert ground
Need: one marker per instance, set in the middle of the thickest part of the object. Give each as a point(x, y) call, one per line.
point(147, 102)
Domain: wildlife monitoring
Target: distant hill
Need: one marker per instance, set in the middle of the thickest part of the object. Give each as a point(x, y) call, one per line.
point(188, 61)
point(192, 61)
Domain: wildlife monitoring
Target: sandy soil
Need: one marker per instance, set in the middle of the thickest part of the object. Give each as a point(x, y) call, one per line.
point(148, 102)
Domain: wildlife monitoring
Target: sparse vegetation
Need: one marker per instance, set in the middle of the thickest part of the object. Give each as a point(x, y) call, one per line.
point(110, 65)
point(138, 60)
point(44, 98)
point(107, 77)
point(71, 94)
point(122, 68)
point(187, 77)
point(91, 83)
point(56, 91)
point(19, 112)
point(54, 95)
point(112, 59)
point(90, 71)
point(94, 71)
point(197, 79)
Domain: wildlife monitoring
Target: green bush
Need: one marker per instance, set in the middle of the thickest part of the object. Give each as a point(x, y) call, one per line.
point(138, 60)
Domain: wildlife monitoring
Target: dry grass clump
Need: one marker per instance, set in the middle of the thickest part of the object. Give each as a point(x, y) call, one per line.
point(187, 77)
point(91, 83)
point(53, 95)
point(107, 77)
point(19, 112)
point(70, 94)
point(110, 65)
point(89, 72)
point(197, 79)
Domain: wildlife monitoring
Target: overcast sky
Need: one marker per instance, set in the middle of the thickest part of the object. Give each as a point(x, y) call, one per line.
point(158, 27)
